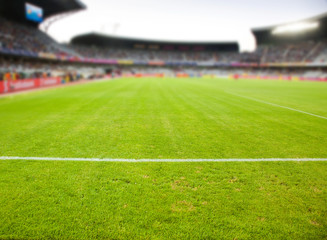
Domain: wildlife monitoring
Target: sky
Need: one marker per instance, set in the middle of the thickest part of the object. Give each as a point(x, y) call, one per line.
point(184, 20)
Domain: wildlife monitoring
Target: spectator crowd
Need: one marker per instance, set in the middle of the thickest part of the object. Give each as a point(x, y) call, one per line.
point(18, 42)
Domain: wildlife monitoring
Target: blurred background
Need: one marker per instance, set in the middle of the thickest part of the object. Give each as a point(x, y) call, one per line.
point(45, 43)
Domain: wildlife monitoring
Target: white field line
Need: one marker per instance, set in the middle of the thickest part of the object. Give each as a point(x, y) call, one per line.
point(276, 105)
point(167, 160)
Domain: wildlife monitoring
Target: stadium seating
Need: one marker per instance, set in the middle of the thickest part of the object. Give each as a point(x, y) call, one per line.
point(27, 69)
point(17, 40)
point(301, 52)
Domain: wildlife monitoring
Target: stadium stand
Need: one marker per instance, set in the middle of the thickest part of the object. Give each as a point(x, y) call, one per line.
point(25, 68)
point(27, 52)
point(149, 55)
point(20, 39)
point(306, 51)
point(109, 47)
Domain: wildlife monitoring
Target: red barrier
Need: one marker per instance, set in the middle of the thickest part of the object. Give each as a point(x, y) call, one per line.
point(19, 85)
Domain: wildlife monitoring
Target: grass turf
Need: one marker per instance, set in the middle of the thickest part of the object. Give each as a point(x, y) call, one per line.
point(164, 118)
point(89, 200)
point(168, 118)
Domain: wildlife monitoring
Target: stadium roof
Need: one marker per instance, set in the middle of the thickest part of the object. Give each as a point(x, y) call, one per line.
point(15, 9)
point(101, 40)
point(266, 35)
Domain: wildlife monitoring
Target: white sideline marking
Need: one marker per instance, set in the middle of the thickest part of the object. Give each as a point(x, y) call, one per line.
point(276, 105)
point(167, 160)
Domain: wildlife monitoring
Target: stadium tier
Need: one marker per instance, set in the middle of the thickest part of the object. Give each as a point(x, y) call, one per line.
point(23, 40)
point(27, 52)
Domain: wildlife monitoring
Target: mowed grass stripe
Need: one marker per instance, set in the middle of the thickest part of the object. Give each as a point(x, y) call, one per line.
point(161, 119)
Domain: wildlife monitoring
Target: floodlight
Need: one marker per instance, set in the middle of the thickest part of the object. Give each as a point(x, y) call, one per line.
point(295, 28)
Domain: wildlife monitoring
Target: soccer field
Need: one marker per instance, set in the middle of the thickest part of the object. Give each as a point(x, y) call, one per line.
point(168, 118)
point(165, 119)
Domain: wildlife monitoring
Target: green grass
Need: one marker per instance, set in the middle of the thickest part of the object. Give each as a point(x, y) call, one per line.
point(165, 118)
point(66, 200)
point(153, 118)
